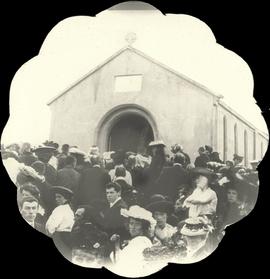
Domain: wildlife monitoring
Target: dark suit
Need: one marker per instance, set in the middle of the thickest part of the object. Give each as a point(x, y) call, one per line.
point(113, 221)
point(169, 180)
point(92, 185)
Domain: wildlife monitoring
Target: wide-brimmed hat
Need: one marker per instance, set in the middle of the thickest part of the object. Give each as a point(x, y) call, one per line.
point(196, 226)
point(76, 150)
point(138, 212)
point(202, 171)
point(161, 206)
point(64, 191)
point(156, 143)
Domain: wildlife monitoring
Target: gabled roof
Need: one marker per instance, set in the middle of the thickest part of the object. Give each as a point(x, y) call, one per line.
point(141, 54)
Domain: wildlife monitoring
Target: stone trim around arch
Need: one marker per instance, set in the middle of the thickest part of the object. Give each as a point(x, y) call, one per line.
point(107, 122)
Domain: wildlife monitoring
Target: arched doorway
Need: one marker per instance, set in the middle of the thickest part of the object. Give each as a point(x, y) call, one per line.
point(131, 132)
point(134, 125)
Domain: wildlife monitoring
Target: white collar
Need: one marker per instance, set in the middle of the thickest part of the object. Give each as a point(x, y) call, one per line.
point(177, 164)
point(112, 204)
point(96, 166)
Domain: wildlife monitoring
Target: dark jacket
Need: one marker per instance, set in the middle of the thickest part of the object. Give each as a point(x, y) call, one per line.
point(113, 221)
point(169, 181)
point(92, 185)
point(69, 178)
point(50, 175)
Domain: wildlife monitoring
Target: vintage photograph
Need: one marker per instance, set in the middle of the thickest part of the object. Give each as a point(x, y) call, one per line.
point(134, 139)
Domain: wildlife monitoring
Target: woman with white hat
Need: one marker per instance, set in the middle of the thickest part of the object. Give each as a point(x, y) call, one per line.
point(129, 261)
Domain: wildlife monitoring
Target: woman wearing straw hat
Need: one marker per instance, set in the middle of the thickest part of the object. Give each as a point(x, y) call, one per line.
point(129, 261)
point(195, 233)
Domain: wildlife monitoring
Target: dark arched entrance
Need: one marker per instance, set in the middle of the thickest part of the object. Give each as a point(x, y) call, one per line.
point(131, 132)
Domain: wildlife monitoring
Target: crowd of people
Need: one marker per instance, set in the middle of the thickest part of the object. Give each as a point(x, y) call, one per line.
point(131, 212)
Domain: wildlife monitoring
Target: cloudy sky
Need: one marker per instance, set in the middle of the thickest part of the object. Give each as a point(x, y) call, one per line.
point(77, 44)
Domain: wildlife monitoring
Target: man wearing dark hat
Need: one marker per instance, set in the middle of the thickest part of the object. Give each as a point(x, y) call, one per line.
point(44, 154)
point(161, 210)
point(203, 200)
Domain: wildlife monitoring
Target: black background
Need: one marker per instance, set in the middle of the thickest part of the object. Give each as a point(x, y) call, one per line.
point(241, 29)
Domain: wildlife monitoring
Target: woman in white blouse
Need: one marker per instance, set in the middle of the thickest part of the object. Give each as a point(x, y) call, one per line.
point(62, 217)
point(61, 221)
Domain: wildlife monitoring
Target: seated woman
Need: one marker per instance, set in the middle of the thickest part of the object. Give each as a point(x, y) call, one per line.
point(129, 261)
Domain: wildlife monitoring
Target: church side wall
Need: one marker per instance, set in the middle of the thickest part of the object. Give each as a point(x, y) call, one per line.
point(237, 136)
